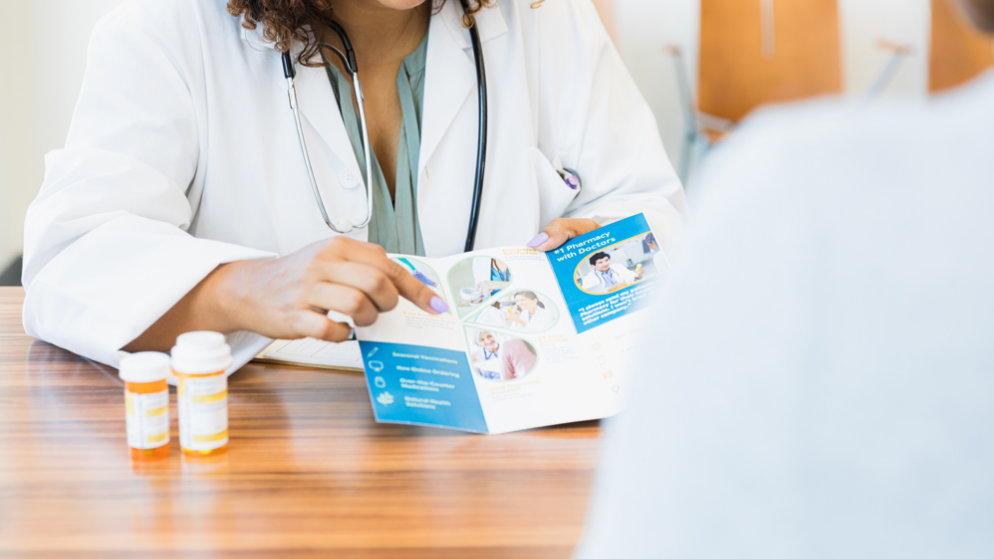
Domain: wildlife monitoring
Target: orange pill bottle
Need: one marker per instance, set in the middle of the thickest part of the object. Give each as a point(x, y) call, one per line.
point(146, 399)
point(199, 361)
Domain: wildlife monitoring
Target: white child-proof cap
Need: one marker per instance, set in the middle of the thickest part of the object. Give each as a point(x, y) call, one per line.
point(200, 353)
point(144, 366)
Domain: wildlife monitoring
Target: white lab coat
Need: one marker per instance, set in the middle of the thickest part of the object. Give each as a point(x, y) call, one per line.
point(183, 155)
point(542, 320)
point(594, 283)
point(820, 380)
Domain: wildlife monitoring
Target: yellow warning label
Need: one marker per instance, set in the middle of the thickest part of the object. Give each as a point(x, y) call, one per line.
point(211, 397)
point(158, 438)
point(211, 438)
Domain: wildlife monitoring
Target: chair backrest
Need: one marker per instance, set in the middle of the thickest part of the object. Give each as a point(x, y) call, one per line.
point(754, 52)
point(958, 52)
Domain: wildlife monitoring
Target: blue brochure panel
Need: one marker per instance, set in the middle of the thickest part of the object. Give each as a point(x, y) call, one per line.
point(608, 272)
point(422, 386)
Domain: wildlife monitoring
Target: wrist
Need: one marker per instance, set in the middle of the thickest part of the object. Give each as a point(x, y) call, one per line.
point(225, 295)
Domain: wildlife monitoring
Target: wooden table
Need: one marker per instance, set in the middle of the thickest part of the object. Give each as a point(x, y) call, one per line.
point(308, 473)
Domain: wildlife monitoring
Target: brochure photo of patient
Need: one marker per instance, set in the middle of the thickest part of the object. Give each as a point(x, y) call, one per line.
point(520, 310)
point(620, 265)
point(476, 280)
point(501, 357)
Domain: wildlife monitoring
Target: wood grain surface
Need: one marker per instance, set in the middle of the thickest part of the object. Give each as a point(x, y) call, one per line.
point(308, 474)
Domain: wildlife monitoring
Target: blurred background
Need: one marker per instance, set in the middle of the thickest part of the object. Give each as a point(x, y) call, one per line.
point(702, 65)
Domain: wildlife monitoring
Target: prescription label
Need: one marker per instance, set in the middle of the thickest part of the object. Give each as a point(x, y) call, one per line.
point(147, 419)
point(203, 412)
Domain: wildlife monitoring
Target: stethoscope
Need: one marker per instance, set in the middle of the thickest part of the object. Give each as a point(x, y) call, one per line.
point(603, 277)
point(349, 61)
point(569, 176)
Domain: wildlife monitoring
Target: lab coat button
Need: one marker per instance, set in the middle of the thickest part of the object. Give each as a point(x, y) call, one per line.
point(350, 179)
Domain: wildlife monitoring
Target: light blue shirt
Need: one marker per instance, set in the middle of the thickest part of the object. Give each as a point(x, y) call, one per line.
point(608, 278)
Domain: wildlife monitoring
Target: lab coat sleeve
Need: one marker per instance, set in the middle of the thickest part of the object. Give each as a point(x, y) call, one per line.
point(615, 147)
point(107, 250)
point(589, 281)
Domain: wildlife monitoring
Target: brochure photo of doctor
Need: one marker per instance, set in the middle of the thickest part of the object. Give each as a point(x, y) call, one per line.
point(500, 357)
point(620, 265)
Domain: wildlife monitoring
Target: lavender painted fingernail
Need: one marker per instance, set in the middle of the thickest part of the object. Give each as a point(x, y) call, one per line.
point(538, 240)
point(439, 304)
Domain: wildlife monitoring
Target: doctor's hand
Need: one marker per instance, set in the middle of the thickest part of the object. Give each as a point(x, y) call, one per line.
point(289, 297)
point(561, 230)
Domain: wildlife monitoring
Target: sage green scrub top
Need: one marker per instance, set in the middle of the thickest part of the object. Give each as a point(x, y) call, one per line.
point(394, 225)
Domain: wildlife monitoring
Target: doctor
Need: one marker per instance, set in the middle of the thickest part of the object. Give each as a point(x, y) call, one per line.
point(182, 199)
point(529, 314)
point(605, 276)
point(491, 275)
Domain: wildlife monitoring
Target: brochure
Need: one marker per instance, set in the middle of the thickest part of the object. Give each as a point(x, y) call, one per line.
point(530, 339)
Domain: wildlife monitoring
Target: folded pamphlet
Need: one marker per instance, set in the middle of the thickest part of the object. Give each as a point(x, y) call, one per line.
point(530, 339)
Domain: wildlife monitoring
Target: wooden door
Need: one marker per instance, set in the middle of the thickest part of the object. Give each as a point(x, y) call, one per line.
point(958, 51)
point(738, 68)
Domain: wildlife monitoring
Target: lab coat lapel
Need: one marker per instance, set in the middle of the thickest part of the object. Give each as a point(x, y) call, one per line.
point(450, 74)
point(316, 102)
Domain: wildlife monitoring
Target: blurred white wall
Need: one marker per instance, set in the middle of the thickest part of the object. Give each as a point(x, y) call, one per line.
point(42, 59)
point(42, 56)
point(904, 22)
point(17, 132)
point(644, 29)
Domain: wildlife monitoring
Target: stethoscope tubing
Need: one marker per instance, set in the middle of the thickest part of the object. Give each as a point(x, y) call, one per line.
point(366, 149)
point(481, 142)
point(289, 73)
point(349, 60)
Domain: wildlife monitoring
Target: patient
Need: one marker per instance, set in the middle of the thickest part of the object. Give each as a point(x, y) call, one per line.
point(821, 380)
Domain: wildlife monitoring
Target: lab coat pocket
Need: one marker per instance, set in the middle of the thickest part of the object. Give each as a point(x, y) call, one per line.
point(554, 196)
